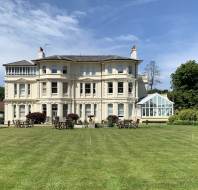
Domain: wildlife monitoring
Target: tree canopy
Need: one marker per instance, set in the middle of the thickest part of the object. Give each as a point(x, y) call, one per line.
point(185, 86)
point(1, 93)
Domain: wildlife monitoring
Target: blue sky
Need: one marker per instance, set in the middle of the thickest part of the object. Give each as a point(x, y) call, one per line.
point(163, 30)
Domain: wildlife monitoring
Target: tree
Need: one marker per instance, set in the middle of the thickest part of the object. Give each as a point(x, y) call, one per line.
point(165, 91)
point(73, 117)
point(153, 72)
point(184, 83)
point(1, 93)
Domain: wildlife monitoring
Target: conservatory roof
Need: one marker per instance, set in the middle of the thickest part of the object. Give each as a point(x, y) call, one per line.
point(150, 96)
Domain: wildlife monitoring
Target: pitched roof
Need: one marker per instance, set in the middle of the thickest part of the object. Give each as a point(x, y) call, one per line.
point(20, 63)
point(150, 96)
point(85, 57)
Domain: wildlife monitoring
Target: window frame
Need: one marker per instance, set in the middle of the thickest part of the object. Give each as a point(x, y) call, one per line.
point(54, 88)
point(21, 93)
point(121, 112)
point(120, 87)
point(120, 69)
point(81, 88)
point(21, 113)
point(44, 88)
point(130, 87)
point(130, 69)
point(44, 69)
point(110, 109)
point(65, 88)
point(64, 69)
point(54, 69)
point(29, 90)
point(110, 88)
point(87, 89)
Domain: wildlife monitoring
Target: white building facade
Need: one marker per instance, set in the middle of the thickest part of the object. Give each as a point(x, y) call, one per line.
point(85, 85)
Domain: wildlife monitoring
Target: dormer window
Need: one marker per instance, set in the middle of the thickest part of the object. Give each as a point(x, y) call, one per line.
point(44, 69)
point(64, 69)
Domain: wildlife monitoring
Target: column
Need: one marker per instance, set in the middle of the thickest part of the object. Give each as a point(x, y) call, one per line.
point(38, 89)
point(26, 109)
point(17, 111)
point(49, 110)
point(60, 89)
point(26, 90)
point(83, 84)
point(115, 88)
point(18, 90)
point(134, 115)
point(83, 112)
point(78, 109)
point(126, 111)
point(136, 89)
point(49, 89)
point(92, 109)
point(69, 108)
point(126, 89)
point(60, 111)
point(115, 108)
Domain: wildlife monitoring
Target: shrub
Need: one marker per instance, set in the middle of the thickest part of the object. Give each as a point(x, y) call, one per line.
point(73, 117)
point(70, 124)
point(188, 114)
point(36, 117)
point(172, 118)
point(112, 120)
point(184, 117)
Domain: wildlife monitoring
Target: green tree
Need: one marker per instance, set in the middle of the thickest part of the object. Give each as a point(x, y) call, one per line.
point(165, 91)
point(185, 86)
point(1, 93)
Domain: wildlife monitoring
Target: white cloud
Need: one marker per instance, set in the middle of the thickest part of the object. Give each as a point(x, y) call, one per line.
point(24, 27)
point(123, 38)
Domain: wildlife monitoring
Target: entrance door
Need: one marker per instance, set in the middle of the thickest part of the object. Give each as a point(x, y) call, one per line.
point(54, 110)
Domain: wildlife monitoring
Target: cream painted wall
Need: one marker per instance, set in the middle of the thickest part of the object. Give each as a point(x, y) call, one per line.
point(74, 78)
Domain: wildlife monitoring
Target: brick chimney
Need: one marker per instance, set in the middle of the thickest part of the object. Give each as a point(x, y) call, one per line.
point(134, 53)
point(41, 53)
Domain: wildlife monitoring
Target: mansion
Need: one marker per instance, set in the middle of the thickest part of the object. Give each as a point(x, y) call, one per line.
point(98, 85)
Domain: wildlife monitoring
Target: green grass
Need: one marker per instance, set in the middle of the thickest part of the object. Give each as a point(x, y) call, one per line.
point(149, 158)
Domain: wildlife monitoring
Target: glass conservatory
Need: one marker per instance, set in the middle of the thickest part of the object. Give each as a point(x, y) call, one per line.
point(156, 106)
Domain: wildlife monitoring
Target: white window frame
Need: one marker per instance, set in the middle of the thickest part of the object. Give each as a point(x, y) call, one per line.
point(22, 90)
point(21, 111)
point(54, 88)
point(109, 109)
point(121, 110)
point(110, 88)
point(120, 87)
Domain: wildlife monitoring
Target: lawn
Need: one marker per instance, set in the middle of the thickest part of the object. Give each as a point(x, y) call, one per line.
point(148, 158)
